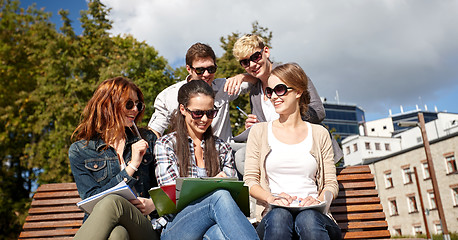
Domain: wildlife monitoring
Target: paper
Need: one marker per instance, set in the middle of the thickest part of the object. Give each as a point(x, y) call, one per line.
point(121, 189)
point(294, 206)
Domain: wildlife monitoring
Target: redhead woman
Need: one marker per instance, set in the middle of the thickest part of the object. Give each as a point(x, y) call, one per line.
point(108, 151)
point(193, 151)
point(290, 160)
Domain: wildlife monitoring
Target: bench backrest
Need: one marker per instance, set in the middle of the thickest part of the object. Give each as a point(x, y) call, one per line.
point(53, 213)
point(357, 208)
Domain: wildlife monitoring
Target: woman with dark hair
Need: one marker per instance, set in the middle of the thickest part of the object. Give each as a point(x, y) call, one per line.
point(108, 151)
point(289, 164)
point(193, 151)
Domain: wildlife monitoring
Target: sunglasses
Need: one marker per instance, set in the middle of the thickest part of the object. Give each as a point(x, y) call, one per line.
point(280, 90)
point(199, 113)
point(130, 105)
point(255, 57)
point(201, 70)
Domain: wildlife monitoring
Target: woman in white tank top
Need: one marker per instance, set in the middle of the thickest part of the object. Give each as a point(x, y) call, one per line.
point(297, 168)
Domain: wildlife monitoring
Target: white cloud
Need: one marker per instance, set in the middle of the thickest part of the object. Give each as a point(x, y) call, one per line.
point(377, 54)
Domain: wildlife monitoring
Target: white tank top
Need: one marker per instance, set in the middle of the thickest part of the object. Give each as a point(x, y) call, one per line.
point(290, 167)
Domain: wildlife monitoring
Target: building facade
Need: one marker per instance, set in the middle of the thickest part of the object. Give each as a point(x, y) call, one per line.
point(398, 189)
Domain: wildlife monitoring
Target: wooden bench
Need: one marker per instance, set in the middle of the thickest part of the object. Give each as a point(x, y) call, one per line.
point(357, 209)
point(53, 213)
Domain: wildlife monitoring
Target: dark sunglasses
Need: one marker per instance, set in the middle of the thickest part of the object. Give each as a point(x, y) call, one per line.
point(255, 57)
point(201, 70)
point(280, 90)
point(130, 104)
point(199, 113)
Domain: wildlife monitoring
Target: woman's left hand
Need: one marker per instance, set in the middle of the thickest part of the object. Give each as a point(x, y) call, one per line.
point(308, 201)
point(221, 174)
point(145, 205)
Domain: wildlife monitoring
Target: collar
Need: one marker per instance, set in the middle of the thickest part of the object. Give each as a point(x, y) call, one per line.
point(98, 144)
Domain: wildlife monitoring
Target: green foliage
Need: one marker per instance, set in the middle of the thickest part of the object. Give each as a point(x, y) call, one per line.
point(228, 66)
point(47, 78)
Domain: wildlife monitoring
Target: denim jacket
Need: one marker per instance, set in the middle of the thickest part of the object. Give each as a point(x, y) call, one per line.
point(96, 169)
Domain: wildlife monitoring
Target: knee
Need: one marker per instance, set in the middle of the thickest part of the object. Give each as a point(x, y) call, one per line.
point(279, 216)
point(308, 219)
point(119, 232)
point(109, 203)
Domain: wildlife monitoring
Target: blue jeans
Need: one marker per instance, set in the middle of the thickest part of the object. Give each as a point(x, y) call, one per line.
point(215, 216)
point(280, 223)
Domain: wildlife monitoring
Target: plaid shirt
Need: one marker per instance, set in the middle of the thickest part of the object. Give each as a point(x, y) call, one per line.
point(167, 169)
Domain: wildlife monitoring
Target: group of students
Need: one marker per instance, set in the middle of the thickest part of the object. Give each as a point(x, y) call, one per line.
point(288, 156)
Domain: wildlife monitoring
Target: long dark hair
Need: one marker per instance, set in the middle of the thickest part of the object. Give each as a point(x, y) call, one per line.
point(186, 92)
point(103, 115)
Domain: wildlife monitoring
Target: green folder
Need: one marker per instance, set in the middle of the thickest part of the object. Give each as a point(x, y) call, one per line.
point(191, 189)
point(164, 205)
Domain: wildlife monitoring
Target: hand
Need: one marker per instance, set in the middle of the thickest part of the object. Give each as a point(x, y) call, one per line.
point(281, 199)
point(308, 201)
point(221, 174)
point(145, 205)
point(232, 85)
point(251, 120)
point(138, 151)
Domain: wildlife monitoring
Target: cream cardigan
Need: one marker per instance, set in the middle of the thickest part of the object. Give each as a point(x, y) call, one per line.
point(258, 148)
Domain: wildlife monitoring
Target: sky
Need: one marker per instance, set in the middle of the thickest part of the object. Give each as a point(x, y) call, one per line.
point(379, 55)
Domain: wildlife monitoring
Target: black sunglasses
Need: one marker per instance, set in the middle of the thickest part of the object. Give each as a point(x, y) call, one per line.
point(130, 104)
point(201, 70)
point(200, 113)
point(280, 90)
point(255, 57)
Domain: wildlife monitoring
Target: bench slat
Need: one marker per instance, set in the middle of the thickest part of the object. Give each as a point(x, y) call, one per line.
point(57, 187)
point(54, 202)
point(58, 216)
point(367, 234)
point(57, 194)
point(356, 208)
point(357, 185)
point(359, 216)
point(53, 224)
point(59, 232)
point(57, 209)
point(355, 177)
point(352, 201)
point(357, 193)
point(353, 170)
point(363, 225)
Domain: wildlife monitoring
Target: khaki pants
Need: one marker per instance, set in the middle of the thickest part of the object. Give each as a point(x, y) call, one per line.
point(116, 218)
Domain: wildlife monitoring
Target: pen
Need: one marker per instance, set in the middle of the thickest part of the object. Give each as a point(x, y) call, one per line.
point(136, 129)
point(243, 112)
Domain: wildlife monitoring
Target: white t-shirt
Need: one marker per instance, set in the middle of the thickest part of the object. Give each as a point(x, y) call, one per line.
point(268, 109)
point(290, 167)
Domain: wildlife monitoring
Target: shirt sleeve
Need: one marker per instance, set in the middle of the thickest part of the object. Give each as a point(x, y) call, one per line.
point(166, 162)
point(226, 158)
point(315, 112)
point(161, 117)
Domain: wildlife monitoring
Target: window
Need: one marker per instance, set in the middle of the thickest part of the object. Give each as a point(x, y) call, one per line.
point(368, 145)
point(397, 231)
point(387, 147)
point(451, 164)
point(455, 195)
point(438, 228)
point(388, 180)
point(348, 150)
point(377, 146)
point(425, 168)
point(418, 139)
point(417, 230)
point(406, 175)
point(393, 207)
point(412, 203)
point(355, 147)
point(431, 199)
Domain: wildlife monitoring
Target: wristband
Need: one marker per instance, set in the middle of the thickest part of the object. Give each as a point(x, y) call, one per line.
point(134, 168)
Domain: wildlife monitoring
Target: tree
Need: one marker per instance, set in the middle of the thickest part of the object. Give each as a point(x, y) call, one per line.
point(47, 78)
point(228, 66)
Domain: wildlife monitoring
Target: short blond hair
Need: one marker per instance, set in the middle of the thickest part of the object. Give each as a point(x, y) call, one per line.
point(246, 45)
